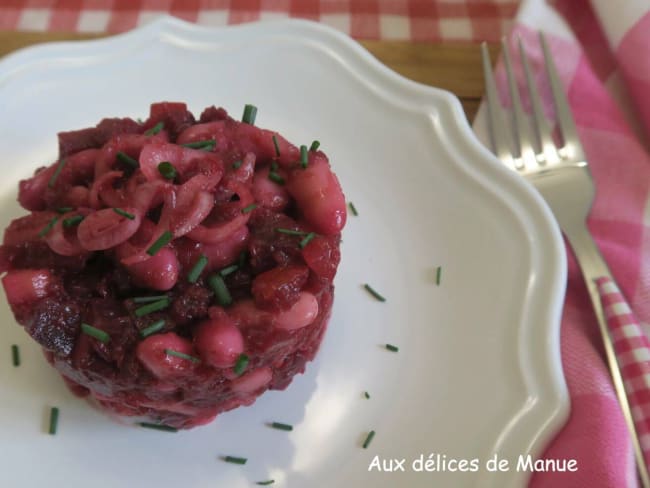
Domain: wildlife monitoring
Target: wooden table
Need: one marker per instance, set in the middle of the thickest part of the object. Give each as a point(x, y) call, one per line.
point(453, 67)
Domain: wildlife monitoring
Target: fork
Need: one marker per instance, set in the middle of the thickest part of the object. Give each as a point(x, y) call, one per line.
point(561, 174)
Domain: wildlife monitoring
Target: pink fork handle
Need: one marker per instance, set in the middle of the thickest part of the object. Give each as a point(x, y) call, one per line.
point(632, 349)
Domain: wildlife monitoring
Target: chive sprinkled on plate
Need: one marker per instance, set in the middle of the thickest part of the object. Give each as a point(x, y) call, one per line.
point(236, 164)
point(167, 170)
point(56, 173)
point(366, 395)
point(250, 112)
point(154, 298)
point(369, 438)
point(314, 146)
point(249, 208)
point(235, 459)
point(307, 239)
point(291, 232)
point(276, 178)
point(182, 355)
point(277, 145)
point(281, 426)
point(353, 209)
point(229, 270)
point(165, 428)
point(124, 213)
point(161, 242)
point(206, 145)
point(122, 157)
point(392, 348)
point(265, 483)
point(241, 364)
point(15, 355)
point(197, 269)
point(220, 289)
point(54, 420)
point(44, 231)
point(373, 292)
point(157, 326)
point(152, 307)
point(155, 129)
point(72, 221)
point(63, 210)
point(438, 275)
point(304, 157)
point(98, 334)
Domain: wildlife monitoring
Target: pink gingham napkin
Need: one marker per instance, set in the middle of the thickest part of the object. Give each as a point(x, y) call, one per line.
point(602, 50)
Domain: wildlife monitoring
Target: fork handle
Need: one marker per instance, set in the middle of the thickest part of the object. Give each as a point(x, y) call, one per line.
point(626, 346)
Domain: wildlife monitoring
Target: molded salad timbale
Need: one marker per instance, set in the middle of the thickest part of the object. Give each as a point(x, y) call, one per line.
point(176, 268)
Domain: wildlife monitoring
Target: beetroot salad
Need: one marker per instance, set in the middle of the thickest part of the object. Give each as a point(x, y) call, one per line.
point(176, 268)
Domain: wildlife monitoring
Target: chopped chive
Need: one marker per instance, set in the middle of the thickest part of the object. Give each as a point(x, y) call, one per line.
point(56, 173)
point(353, 209)
point(281, 426)
point(304, 158)
point(274, 166)
point(154, 298)
point(139, 121)
point(242, 259)
point(374, 293)
point(153, 328)
point(392, 348)
point(276, 178)
point(235, 459)
point(48, 227)
point(98, 334)
point(122, 157)
point(291, 232)
point(369, 438)
point(155, 129)
point(162, 427)
point(229, 270)
point(307, 240)
point(438, 275)
point(123, 213)
point(197, 269)
point(152, 307)
point(63, 210)
point(54, 420)
point(161, 242)
point(206, 145)
point(366, 395)
point(265, 483)
point(182, 355)
point(167, 170)
point(248, 209)
point(15, 355)
point(314, 146)
point(72, 221)
point(277, 146)
point(220, 289)
point(241, 364)
point(250, 112)
point(236, 164)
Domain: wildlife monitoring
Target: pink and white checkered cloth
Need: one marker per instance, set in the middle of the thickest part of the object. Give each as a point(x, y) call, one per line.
point(601, 49)
point(418, 20)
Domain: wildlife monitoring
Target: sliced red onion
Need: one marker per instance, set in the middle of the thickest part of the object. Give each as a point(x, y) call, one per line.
point(105, 228)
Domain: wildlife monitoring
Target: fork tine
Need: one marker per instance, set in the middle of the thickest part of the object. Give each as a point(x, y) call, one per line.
point(545, 141)
point(572, 146)
point(526, 151)
point(496, 120)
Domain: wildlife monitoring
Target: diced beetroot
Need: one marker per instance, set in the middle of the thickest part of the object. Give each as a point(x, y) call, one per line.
point(279, 288)
point(27, 286)
point(175, 117)
point(31, 192)
point(322, 255)
point(190, 304)
point(27, 228)
point(78, 140)
point(54, 325)
point(212, 114)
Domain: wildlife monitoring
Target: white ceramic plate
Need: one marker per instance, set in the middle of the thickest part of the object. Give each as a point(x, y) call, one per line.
point(478, 371)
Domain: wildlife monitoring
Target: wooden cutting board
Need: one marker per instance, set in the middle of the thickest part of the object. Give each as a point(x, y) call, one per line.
point(452, 67)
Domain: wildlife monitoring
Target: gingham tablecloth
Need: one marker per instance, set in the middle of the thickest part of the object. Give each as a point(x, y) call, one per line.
point(417, 20)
